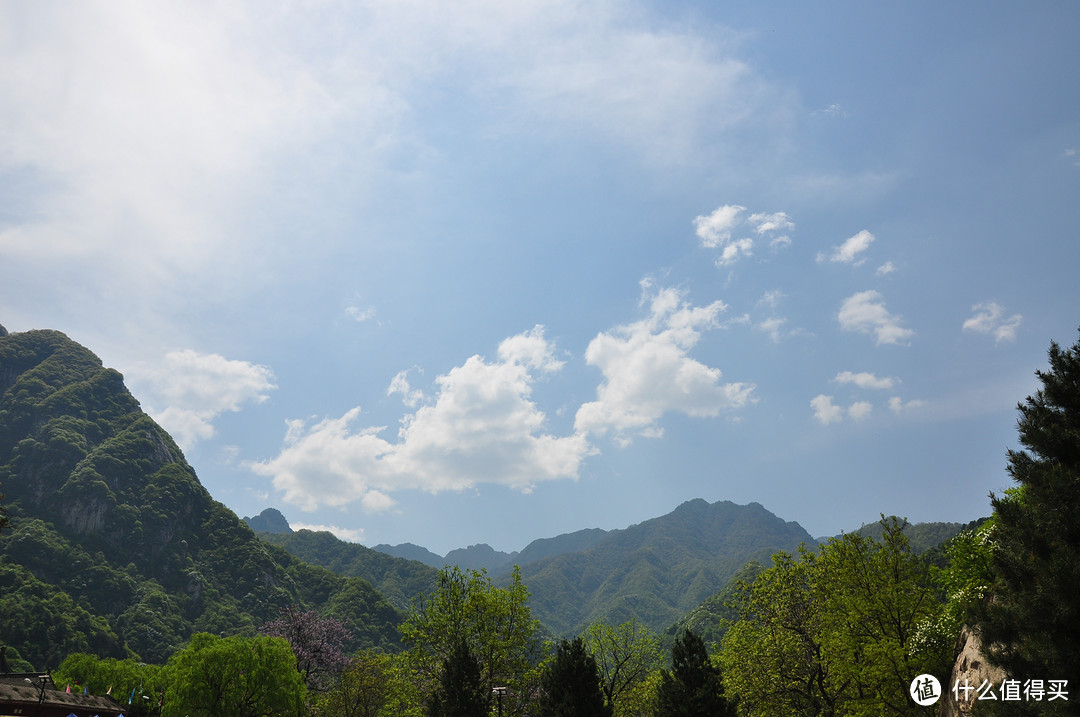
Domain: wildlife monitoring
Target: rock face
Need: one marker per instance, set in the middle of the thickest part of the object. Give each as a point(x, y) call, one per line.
point(970, 665)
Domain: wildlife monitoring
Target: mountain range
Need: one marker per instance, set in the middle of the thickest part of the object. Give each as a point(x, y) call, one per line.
point(115, 548)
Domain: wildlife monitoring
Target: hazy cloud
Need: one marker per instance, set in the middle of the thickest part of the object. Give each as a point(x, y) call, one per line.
point(825, 411)
point(989, 318)
point(865, 312)
point(188, 390)
point(648, 372)
point(849, 251)
point(864, 380)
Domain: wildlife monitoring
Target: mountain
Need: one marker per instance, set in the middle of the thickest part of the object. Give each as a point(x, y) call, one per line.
point(565, 543)
point(480, 557)
point(398, 579)
point(657, 570)
point(114, 547)
point(269, 521)
point(410, 551)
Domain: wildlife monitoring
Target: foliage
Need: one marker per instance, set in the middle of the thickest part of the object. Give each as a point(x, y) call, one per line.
point(316, 641)
point(836, 632)
point(396, 579)
point(693, 688)
point(135, 685)
point(494, 623)
point(113, 546)
point(1031, 623)
point(658, 570)
point(373, 685)
point(571, 684)
point(236, 676)
point(625, 655)
point(461, 691)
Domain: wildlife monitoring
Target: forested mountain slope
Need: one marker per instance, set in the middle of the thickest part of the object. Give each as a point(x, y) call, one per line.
point(657, 570)
point(114, 546)
point(397, 579)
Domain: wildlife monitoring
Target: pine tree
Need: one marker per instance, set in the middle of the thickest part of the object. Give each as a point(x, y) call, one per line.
point(571, 684)
point(693, 687)
point(1031, 623)
point(461, 691)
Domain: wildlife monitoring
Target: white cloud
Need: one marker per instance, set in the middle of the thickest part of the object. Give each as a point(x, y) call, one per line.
point(865, 380)
point(772, 327)
point(849, 251)
point(482, 427)
point(731, 252)
point(825, 411)
point(866, 313)
point(715, 231)
point(885, 269)
point(648, 372)
point(860, 410)
point(349, 535)
point(898, 405)
point(766, 223)
point(989, 318)
point(360, 315)
point(188, 390)
point(400, 384)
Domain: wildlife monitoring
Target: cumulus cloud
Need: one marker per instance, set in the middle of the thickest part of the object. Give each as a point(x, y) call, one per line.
point(481, 427)
point(885, 269)
point(648, 372)
point(716, 231)
point(850, 250)
point(400, 384)
point(899, 405)
point(989, 318)
point(865, 312)
point(188, 390)
point(826, 411)
point(865, 380)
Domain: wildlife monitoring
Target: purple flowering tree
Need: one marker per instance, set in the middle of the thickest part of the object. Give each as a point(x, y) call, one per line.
point(317, 641)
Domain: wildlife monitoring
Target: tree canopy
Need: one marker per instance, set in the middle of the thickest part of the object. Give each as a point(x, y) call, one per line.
point(1030, 624)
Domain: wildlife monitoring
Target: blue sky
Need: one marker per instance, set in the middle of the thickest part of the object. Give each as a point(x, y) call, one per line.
point(450, 273)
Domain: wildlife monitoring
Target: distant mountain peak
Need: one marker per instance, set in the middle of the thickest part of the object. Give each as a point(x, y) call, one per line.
point(269, 521)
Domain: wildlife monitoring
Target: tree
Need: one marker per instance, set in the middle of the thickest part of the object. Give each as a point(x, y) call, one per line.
point(693, 687)
point(235, 676)
point(371, 686)
point(461, 691)
point(135, 683)
point(318, 643)
point(626, 655)
point(1031, 623)
point(494, 623)
point(837, 632)
point(570, 684)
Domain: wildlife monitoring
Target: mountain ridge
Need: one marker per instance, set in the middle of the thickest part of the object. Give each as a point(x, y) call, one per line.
point(114, 546)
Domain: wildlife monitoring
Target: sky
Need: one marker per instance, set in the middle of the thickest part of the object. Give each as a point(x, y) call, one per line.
point(487, 272)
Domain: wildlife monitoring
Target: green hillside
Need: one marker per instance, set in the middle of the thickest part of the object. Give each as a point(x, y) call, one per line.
point(397, 579)
point(114, 547)
point(657, 570)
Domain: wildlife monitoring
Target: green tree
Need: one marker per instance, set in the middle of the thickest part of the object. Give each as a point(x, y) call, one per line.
point(571, 685)
point(1031, 623)
point(461, 691)
point(838, 632)
point(693, 687)
point(235, 676)
point(371, 686)
point(495, 624)
point(135, 685)
point(626, 655)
